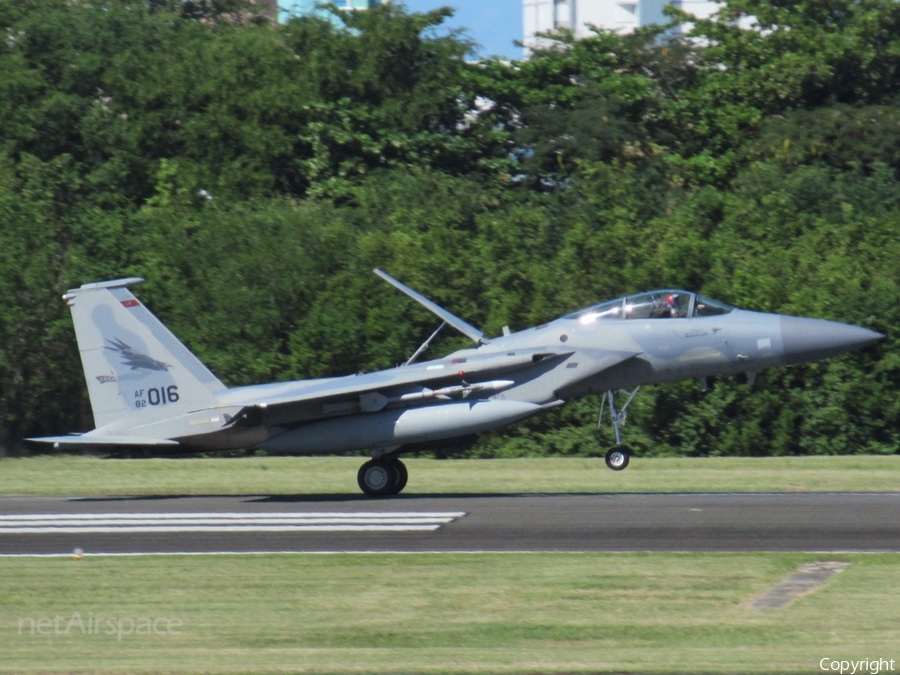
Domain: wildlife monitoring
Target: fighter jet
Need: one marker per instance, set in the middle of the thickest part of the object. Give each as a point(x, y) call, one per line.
point(147, 390)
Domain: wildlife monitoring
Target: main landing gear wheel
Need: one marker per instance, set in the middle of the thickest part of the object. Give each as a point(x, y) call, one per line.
point(402, 476)
point(617, 458)
point(377, 478)
point(382, 477)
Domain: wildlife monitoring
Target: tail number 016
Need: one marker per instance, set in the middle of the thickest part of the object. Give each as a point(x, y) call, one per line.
point(156, 396)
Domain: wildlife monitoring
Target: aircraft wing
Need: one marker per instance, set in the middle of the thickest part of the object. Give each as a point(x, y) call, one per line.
point(102, 440)
point(370, 392)
point(300, 402)
point(396, 381)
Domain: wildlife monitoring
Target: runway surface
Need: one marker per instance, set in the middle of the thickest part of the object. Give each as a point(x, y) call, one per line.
point(328, 523)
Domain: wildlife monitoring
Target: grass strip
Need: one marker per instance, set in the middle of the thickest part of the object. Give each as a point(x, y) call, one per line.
point(451, 613)
point(77, 475)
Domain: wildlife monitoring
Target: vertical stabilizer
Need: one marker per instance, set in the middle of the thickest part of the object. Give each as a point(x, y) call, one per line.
point(137, 372)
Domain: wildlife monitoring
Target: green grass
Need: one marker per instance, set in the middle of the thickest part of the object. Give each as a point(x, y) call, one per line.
point(450, 613)
point(453, 613)
point(74, 475)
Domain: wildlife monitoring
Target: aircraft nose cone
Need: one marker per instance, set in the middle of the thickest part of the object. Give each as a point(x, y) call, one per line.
point(811, 339)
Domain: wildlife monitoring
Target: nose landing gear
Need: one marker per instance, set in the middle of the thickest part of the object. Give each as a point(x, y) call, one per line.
point(618, 457)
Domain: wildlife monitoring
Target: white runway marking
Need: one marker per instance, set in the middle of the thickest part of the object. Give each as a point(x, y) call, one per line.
point(68, 523)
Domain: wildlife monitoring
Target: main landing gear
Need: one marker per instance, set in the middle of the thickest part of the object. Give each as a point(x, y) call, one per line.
point(617, 458)
point(382, 477)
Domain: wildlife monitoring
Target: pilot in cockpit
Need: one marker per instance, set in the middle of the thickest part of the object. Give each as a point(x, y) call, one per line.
point(673, 307)
point(661, 309)
point(665, 307)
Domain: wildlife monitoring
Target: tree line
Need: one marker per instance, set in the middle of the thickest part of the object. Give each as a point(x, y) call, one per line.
point(254, 174)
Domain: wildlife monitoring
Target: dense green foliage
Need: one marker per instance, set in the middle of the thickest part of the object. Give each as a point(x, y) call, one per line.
point(255, 174)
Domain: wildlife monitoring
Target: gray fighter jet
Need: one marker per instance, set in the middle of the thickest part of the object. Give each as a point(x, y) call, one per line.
point(148, 390)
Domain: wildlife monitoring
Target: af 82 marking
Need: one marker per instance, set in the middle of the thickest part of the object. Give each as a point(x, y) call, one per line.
point(156, 396)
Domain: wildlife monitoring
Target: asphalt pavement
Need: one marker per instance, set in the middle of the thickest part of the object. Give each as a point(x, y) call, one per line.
point(447, 523)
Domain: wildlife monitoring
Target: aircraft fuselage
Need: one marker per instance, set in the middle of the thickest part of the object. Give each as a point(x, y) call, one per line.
point(148, 390)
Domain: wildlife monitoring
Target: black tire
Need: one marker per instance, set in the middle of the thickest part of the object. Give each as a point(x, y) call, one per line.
point(377, 478)
point(617, 458)
point(402, 476)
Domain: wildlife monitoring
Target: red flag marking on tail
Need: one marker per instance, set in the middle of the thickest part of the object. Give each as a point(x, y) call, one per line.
point(130, 303)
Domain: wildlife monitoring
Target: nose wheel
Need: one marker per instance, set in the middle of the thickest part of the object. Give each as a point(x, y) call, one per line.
point(382, 477)
point(617, 458)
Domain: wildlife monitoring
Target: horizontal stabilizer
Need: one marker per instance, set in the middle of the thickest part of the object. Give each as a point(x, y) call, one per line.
point(101, 440)
point(466, 329)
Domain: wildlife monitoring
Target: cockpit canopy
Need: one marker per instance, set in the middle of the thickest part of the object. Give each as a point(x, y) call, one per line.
point(664, 304)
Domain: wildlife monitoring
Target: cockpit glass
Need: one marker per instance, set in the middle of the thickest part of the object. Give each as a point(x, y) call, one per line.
point(669, 304)
point(607, 310)
point(658, 305)
point(706, 307)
